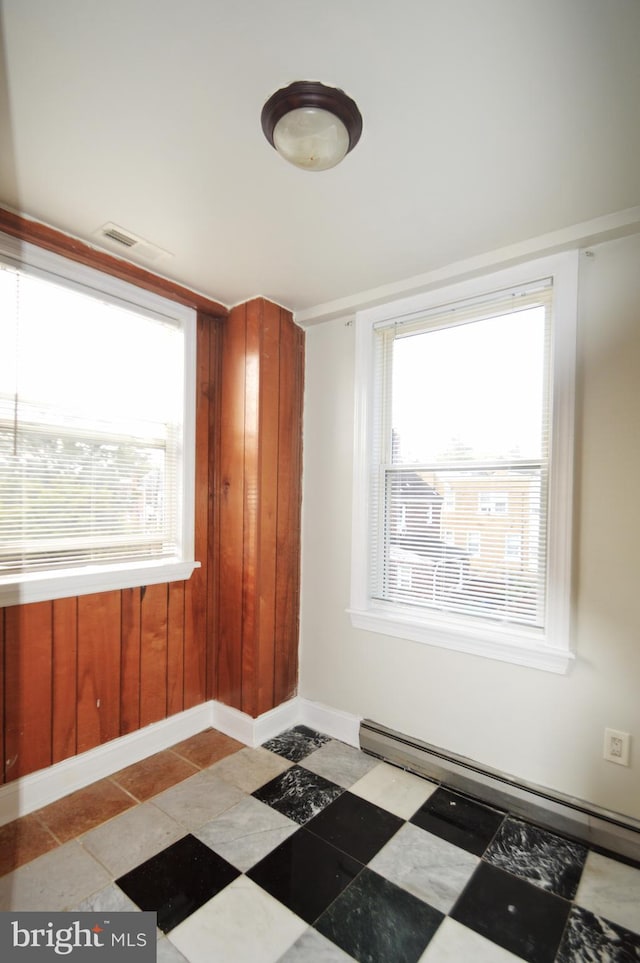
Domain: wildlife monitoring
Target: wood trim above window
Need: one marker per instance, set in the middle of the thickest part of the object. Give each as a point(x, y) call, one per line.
point(51, 239)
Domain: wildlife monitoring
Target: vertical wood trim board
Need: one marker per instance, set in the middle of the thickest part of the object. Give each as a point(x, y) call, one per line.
point(2, 715)
point(28, 688)
point(195, 641)
point(130, 660)
point(99, 668)
point(259, 507)
point(154, 612)
point(230, 535)
point(64, 735)
point(213, 540)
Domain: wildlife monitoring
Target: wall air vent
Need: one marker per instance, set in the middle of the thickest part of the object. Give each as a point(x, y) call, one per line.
point(117, 239)
point(115, 235)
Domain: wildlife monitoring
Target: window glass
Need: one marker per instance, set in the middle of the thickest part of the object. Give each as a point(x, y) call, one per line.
point(94, 428)
point(468, 424)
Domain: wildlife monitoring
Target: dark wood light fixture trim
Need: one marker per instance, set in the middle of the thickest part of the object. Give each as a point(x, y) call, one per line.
point(310, 93)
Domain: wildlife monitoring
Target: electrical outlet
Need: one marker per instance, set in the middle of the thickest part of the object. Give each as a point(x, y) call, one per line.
point(617, 746)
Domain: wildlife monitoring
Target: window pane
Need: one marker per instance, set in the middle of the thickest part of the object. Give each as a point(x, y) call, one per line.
point(463, 492)
point(470, 391)
point(91, 434)
point(80, 355)
point(486, 564)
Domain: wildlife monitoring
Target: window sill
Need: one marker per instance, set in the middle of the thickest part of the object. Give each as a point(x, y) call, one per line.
point(41, 587)
point(517, 647)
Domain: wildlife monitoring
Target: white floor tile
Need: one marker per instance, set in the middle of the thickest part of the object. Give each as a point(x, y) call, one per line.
point(454, 943)
point(339, 763)
point(198, 799)
point(394, 789)
point(313, 947)
point(242, 924)
point(249, 769)
point(166, 952)
point(130, 839)
point(111, 899)
point(59, 880)
point(246, 832)
point(611, 889)
point(425, 865)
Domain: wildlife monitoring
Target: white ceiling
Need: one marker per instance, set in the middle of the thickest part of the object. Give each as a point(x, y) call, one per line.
point(486, 122)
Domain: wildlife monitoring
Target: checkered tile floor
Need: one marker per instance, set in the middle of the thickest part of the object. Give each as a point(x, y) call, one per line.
point(309, 850)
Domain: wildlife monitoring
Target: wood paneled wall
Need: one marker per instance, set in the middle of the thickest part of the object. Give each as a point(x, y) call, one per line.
point(78, 672)
point(258, 520)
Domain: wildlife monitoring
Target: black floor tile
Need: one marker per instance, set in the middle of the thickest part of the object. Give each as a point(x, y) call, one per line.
point(297, 743)
point(460, 820)
point(377, 922)
point(589, 939)
point(177, 881)
point(305, 873)
point(355, 826)
point(549, 861)
point(298, 793)
point(513, 913)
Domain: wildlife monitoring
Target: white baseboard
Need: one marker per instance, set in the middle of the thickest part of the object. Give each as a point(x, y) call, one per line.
point(28, 793)
point(253, 732)
point(333, 722)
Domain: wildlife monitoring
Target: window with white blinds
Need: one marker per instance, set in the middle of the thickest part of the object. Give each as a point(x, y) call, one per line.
point(467, 418)
point(96, 431)
point(462, 518)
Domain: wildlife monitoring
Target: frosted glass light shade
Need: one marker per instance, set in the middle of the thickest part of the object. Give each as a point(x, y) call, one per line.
point(311, 138)
point(311, 125)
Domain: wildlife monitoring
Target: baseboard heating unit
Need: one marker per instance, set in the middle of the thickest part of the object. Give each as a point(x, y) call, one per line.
point(596, 827)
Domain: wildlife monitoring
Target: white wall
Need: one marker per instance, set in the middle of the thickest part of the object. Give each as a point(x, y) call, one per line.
point(538, 726)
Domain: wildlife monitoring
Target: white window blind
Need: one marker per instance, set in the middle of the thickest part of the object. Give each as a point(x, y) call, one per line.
point(93, 423)
point(461, 460)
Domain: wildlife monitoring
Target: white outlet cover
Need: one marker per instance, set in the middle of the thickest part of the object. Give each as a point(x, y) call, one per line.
point(617, 746)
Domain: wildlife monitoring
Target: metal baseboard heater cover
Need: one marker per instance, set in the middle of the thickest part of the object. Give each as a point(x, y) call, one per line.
point(596, 827)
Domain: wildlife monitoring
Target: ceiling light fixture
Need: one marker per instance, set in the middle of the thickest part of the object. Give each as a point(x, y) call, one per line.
point(310, 125)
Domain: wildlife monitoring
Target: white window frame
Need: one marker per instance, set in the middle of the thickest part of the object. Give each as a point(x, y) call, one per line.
point(86, 579)
point(548, 648)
